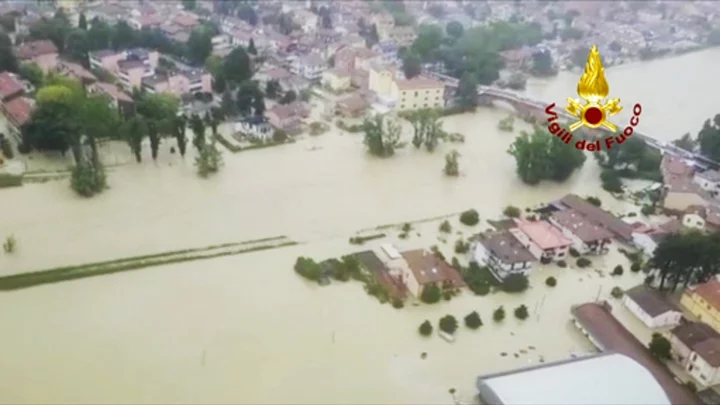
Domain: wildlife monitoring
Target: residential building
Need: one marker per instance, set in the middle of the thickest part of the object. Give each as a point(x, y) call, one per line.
point(402, 36)
point(179, 83)
point(596, 322)
point(119, 99)
point(383, 22)
point(337, 79)
point(417, 93)
point(306, 19)
point(709, 181)
point(696, 346)
point(575, 382)
point(354, 105)
point(648, 239)
point(77, 71)
point(221, 43)
point(425, 268)
point(288, 117)
point(132, 72)
point(544, 241)
point(241, 37)
point(111, 60)
point(373, 264)
point(17, 111)
point(680, 190)
point(587, 236)
point(703, 301)
point(381, 79)
point(10, 87)
point(651, 307)
point(503, 253)
point(702, 217)
point(311, 67)
point(43, 53)
point(620, 229)
point(255, 127)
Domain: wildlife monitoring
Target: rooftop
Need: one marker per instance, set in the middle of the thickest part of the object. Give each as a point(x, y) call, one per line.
point(612, 336)
point(650, 300)
point(543, 234)
point(18, 110)
point(503, 245)
point(620, 228)
point(429, 268)
point(32, 49)
point(709, 291)
point(419, 83)
point(710, 175)
point(9, 85)
point(580, 226)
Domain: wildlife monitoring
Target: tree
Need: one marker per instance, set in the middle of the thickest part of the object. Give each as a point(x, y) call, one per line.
point(227, 105)
point(82, 22)
point(32, 73)
point(467, 91)
point(198, 128)
point(521, 312)
point(86, 181)
point(542, 156)
point(188, 4)
point(161, 108)
point(428, 41)
point(272, 89)
point(499, 314)
point(247, 13)
point(288, 97)
point(594, 201)
point(452, 166)
point(472, 320)
point(8, 61)
point(136, 129)
point(199, 45)
point(77, 45)
point(685, 258)
point(454, 29)
point(154, 137)
point(179, 128)
point(208, 160)
point(251, 47)
point(258, 103)
point(411, 65)
point(660, 347)
point(123, 36)
point(515, 283)
point(470, 217)
point(326, 21)
point(427, 128)
point(611, 181)
point(686, 142)
point(542, 64)
point(100, 34)
point(382, 136)
point(7, 22)
point(448, 324)
point(709, 138)
point(425, 328)
point(512, 212)
point(431, 294)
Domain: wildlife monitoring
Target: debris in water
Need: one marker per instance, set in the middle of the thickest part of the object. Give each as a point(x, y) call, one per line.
point(512, 333)
point(423, 355)
point(523, 351)
point(516, 355)
point(531, 347)
point(503, 354)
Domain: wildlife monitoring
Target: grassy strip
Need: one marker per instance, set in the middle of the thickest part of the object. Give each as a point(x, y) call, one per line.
point(10, 180)
point(235, 149)
point(359, 240)
point(26, 280)
point(419, 221)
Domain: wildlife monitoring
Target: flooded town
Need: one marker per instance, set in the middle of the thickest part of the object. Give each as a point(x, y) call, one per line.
point(357, 202)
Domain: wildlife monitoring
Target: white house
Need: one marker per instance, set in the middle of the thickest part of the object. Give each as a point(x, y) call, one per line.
point(503, 253)
point(311, 67)
point(709, 180)
point(255, 128)
point(696, 346)
point(651, 307)
point(543, 240)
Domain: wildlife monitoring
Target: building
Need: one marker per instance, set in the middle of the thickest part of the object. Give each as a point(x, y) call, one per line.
point(703, 301)
point(10, 87)
point(696, 346)
point(425, 268)
point(381, 78)
point(288, 117)
point(311, 67)
point(110, 60)
point(337, 79)
point(503, 253)
point(418, 92)
point(680, 190)
point(648, 238)
point(620, 229)
point(354, 105)
point(43, 53)
point(18, 112)
point(77, 71)
point(587, 236)
point(544, 241)
point(255, 127)
point(597, 323)
point(373, 264)
point(179, 83)
point(608, 378)
point(709, 181)
point(651, 307)
point(402, 36)
point(702, 217)
point(119, 99)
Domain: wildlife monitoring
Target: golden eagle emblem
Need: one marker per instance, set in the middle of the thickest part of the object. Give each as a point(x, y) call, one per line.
point(593, 88)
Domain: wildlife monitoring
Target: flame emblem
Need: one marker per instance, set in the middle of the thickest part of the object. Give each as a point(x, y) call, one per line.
point(593, 88)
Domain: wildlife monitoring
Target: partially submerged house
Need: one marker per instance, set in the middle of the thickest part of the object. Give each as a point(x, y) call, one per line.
point(651, 307)
point(544, 241)
point(587, 236)
point(696, 346)
point(502, 253)
point(425, 268)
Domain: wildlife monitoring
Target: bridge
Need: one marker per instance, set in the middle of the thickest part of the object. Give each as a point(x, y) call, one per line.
point(528, 107)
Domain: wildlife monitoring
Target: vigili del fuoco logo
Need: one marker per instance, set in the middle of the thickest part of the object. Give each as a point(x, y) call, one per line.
point(593, 89)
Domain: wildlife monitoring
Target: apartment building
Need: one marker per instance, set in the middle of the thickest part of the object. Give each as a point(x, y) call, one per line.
point(109, 60)
point(43, 53)
point(179, 83)
point(703, 301)
point(311, 67)
point(418, 92)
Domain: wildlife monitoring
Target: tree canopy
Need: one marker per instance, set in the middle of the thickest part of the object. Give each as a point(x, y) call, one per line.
point(542, 156)
point(685, 258)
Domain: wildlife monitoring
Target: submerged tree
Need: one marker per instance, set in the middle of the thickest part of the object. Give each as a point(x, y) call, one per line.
point(179, 128)
point(452, 166)
point(382, 136)
point(135, 131)
point(542, 156)
point(208, 160)
point(427, 128)
point(198, 128)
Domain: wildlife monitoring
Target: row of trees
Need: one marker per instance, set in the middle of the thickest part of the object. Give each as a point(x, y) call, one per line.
point(685, 258)
point(542, 156)
point(633, 159)
point(707, 141)
point(382, 135)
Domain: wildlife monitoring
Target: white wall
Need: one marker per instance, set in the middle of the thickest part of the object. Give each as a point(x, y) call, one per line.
point(693, 221)
point(702, 372)
point(645, 243)
point(705, 184)
point(670, 318)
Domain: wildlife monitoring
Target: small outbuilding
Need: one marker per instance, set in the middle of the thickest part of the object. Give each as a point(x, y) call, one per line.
point(651, 307)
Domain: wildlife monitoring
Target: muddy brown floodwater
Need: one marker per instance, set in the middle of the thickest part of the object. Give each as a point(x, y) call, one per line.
point(246, 329)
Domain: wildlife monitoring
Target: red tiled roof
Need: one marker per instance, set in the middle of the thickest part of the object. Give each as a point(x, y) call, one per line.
point(9, 86)
point(32, 49)
point(429, 268)
point(18, 111)
point(112, 91)
point(543, 234)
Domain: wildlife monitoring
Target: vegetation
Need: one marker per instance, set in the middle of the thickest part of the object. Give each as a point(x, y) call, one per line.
point(10, 244)
point(5, 147)
point(543, 156)
point(472, 320)
point(382, 136)
point(521, 312)
point(470, 217)
point(499, 314)
point(634, 159)
point(635, 267)
point(478, 279)
point(308, 268)
point(359, 240)
point(708, 139)
point(506, 124)
point(686, 142)
point(551, 281)
point(448, 324)
point(562, 264)
point(515, 283)
point(208, 160)
point(512, 211)
point(462, 246)
point(425, 328)
point(583, 262)
point(616, 292)
point(685, 258)
point(660, 346)
point(452, 166)
point(573, 252)
point(618, 270)
point(594, 201)
point(445, 226)
point(431, 294)
point(427, 128)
